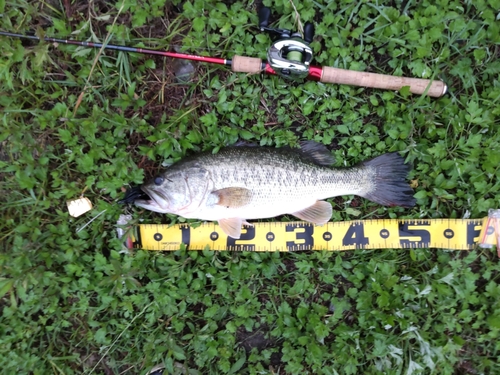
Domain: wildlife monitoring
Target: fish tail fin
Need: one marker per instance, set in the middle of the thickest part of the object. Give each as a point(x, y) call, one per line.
point(389, 181)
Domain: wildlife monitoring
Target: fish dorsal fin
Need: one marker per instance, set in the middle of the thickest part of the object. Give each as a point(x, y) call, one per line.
point(232, 226)
point(233, 197)
point(319, 213)
point(316, 152)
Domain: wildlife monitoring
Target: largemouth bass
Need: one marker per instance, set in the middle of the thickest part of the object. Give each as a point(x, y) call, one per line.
point(240, 183)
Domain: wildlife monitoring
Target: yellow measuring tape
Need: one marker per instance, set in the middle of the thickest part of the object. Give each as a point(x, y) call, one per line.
point(453, 234)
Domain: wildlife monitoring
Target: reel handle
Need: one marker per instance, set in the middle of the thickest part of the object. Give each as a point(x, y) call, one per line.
point(381, 81)
point(308, 32)
point(264, 16)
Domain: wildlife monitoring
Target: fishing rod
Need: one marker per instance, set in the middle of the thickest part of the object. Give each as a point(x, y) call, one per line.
point(289, 56)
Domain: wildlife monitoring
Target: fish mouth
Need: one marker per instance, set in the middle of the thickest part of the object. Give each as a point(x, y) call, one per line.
point(152, 200)
point(146, 198)
point(133, 194)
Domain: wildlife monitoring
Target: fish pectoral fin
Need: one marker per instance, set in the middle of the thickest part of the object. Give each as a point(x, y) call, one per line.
point(232, 226)
point(233, 197)
point(319, 213)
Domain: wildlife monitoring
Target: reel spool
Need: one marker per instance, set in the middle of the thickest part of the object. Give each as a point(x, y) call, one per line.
point(290, 55)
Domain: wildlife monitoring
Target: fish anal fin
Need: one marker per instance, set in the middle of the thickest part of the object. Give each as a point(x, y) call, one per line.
point(232, 226)
point(233, 197)
point(319, 213)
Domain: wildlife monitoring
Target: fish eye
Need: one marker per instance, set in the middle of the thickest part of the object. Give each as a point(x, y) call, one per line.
point(159, 180)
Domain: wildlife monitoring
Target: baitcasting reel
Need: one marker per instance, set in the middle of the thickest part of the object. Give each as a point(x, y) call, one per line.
point(290, 56)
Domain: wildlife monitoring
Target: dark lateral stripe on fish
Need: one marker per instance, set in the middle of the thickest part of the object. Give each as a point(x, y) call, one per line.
point(391, 187)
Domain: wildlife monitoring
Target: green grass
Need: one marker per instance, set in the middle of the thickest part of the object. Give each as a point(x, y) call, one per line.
point(72, 302)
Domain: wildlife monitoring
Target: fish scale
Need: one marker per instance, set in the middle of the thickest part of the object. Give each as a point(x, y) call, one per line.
point(240, 183)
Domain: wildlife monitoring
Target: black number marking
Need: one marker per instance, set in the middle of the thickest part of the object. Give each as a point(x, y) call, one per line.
point(236, 245)
point(158, 237)
point(214, 236)
point(305, 236)
point(407, 229)
point(327, 236)
point(449, 233)
point(270, 236)
point(355, 235)
point(473, 232)
point(384, 233)
point(186, 234)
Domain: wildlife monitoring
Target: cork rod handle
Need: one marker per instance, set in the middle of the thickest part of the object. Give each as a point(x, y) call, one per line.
point(246, 64)
point(380, 81)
